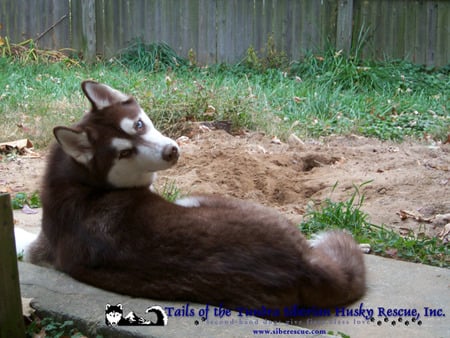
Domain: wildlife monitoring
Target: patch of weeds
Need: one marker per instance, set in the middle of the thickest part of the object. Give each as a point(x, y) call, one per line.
point(334, 69)
point(347, 215)
point(337, 215)
point(21, 199)
point(169, 191)
point(27, 51)
point(426, 250)
point(20, 256)
point(153, 57)
point(271, 58)
point(214, 94)
point(388, 100)
point(50, 327)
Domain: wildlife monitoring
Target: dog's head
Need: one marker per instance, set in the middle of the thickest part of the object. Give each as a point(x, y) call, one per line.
point(116, 140)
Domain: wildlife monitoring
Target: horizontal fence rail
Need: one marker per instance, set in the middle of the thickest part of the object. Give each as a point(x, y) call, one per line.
point(222, 30)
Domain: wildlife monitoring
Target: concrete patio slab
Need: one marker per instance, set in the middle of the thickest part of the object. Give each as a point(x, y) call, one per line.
point(403, 300)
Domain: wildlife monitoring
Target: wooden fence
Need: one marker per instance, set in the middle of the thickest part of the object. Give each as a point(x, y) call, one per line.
point(222, 30)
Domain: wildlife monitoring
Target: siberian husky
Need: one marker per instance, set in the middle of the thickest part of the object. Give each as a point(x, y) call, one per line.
point(103, 226)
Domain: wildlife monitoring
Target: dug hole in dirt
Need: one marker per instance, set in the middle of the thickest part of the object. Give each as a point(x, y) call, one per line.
point(409, 182)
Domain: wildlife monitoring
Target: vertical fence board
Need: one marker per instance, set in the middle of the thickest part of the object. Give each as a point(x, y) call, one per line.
point(366, 17)
point(291, 38)
point(157, 21)
point(421, 33)
point(244, 29)
point(277, 15)
point(11, 320)
point(109, 23)
point(386, 26)
point(401, 48)
point(409, 43)
point(145, 19)
point(432, 32)
point(305, 17)
point(315, 32)
point(259, 23)
point(410, 29)
point(443, 33)
point(328, 10)
point(88, 31)
point(76, 25)
point(225, 22)
point(344, 26)
point(187, 32)
point(132, 28)
point(207, 39)
point(61, 31)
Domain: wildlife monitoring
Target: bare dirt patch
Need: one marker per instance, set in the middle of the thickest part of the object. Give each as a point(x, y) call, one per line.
point(407, 176)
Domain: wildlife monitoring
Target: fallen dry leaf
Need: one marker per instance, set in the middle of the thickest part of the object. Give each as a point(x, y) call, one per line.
point(391, 252)
point(437, 167)
point(444, 234)
point(404, 214)
point(406, 232)
point(294, 140)
point(210, 111)
point(19, 146)
point(182, 140)
point(275, 140)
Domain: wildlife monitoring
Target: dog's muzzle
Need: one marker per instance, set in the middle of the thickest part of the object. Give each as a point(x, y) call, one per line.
point(171, 153)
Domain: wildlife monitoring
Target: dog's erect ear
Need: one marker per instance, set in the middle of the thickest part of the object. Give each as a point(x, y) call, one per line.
point(74, 143)
point(101, 95)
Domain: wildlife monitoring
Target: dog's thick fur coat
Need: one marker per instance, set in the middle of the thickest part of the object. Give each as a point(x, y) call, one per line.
point(113, 232)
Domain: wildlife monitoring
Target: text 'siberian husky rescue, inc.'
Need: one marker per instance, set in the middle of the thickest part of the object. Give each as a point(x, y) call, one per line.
point(104, 226)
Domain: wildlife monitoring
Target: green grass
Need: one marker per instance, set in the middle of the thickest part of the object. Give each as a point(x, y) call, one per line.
point(320, 95)
point(168, 190)
point(347, 215)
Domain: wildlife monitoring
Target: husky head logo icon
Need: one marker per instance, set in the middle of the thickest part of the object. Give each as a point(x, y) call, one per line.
point(114, 316)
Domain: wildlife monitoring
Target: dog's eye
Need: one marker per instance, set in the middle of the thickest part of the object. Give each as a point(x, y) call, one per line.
point(139, 125)
point(125, 153)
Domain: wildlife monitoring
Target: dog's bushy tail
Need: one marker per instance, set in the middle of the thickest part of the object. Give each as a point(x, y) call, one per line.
point(338, 275)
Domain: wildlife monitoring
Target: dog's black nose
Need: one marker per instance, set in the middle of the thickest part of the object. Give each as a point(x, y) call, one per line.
point(170, 153)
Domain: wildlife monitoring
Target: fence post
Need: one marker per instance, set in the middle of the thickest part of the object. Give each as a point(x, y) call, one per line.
point(344, 27)
point(89, 39)
point(11, 318)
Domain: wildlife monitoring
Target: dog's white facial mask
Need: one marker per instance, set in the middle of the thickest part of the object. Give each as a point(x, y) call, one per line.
point(139, 148)
point(152, 152)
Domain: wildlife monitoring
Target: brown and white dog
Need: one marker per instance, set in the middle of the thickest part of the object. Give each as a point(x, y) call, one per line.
point(103, 226)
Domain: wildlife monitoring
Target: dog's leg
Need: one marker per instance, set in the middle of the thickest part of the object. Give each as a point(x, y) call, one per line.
point(23, 240)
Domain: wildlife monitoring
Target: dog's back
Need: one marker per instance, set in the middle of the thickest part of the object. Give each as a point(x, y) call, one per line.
point(103, 225)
